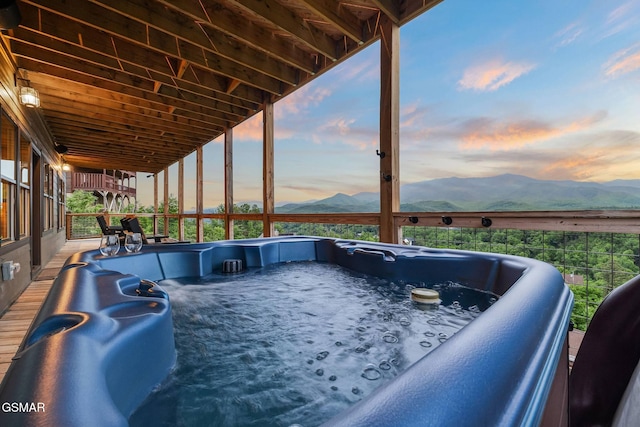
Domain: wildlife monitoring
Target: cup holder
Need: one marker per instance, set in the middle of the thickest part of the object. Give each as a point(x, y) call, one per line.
point(52, 326)
point(149, 288)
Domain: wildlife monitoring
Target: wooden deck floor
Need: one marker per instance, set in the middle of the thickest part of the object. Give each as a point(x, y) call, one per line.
point(16, 321)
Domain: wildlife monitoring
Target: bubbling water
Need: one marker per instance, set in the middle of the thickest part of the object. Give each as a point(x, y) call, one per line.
point(294, 343)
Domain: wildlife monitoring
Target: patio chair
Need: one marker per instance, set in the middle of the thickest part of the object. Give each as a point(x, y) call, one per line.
point(604, 386)
point(132, 225)
point(109, 229)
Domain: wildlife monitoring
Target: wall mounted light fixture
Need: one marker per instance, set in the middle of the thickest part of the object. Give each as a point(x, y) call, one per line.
point(29, 97)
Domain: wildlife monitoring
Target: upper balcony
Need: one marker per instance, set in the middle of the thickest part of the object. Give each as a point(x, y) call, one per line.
point(107, 181)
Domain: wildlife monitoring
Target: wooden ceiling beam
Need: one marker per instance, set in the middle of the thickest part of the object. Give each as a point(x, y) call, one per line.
point(413, 8)
point(272, 11)
point(106, 19)
point(130, 84)
point(120, 111)
point(56, 125)
point(390, 8)
point(169, 144)
point(214, 15)
point(339, 17)
point(104, 121)
point(73, 32)
point(129, 158)
point(213, 43)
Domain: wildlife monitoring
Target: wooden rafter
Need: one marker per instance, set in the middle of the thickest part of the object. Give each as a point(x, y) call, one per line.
point(138, 84)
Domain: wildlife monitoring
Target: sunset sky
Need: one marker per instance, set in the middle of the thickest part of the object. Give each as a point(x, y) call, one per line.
point(549, 89)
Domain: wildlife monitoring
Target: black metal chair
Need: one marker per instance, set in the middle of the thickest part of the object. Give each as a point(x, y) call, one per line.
point(109, 229)
point(132, 225)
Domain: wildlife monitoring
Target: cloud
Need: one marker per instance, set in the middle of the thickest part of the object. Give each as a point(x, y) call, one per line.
point(623, 62)
point(491, 75)
point(498, 135)
point(250, 130)
point(621, 18)
point(338, 126)
point(595, 156)
point(301, 100)
point(413, 114)
point(568, 34)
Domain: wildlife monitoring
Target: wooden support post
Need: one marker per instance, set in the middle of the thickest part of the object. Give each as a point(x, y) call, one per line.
point(155, 203)
point(181, 198)
point(199, 194)
point(268, 204)
point(165, 210)
point(389, 130)
point(228, 183)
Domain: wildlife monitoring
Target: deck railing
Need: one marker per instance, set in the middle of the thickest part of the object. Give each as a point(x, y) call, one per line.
point(595, 250)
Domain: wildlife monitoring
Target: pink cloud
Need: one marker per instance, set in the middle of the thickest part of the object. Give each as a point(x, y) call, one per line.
point(491, 75)
point(623, 62)
point(250, 130)
point(495, 135)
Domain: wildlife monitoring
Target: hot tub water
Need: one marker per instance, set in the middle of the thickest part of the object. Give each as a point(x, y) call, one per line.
point(294, 343)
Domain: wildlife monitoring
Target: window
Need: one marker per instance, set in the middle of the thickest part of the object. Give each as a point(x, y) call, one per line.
point(25, 186)
point(48, 197)
point(8, 173)
point(61, 202)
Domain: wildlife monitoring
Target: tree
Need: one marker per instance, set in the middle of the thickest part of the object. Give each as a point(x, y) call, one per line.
point(82, 202)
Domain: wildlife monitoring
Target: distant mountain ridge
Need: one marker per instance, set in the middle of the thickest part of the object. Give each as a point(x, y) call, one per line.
point(506, 192)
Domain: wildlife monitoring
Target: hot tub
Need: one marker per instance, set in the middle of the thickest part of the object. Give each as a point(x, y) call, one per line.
point(102, 342)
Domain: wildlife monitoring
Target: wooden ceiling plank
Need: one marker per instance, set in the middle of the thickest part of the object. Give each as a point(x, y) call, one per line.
point(119, 111)
point(64, 113)
point(59, 85)
point(390, 8)
point(71, 125)
point(413, 8)
point(24, 38)
point(180, 26)
point(290, 23)
point(121, 26)
point(178, 100)
point(100, 120)
point(216, 16)
point(337, 16)
point(63, 28)
point(108, 111)
point(236, 105)
point(170, 144)
point(202, 77)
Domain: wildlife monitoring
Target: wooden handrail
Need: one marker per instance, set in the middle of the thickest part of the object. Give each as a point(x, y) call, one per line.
point(605, 221)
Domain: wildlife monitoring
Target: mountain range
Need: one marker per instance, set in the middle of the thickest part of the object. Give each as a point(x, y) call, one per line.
point(506, 192)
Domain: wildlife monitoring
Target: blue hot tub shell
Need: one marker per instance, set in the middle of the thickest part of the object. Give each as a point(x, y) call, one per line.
point(97, 348)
